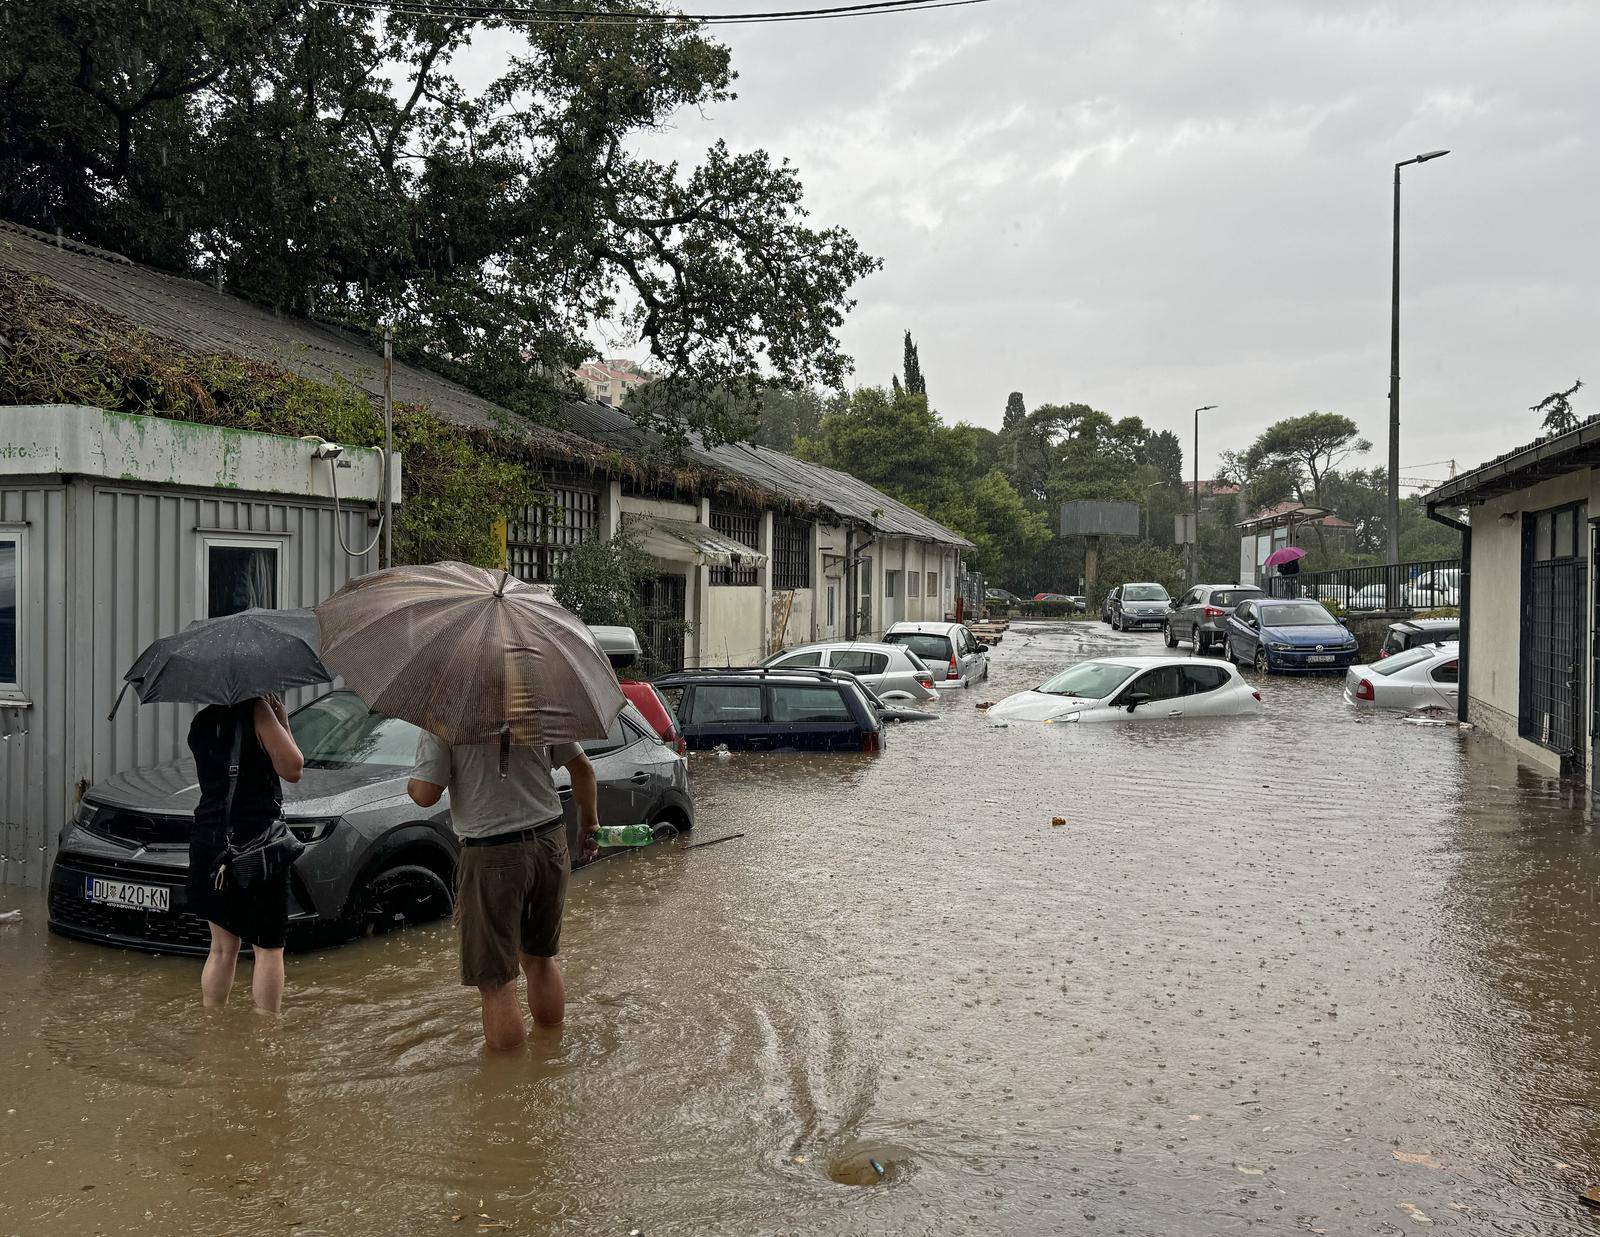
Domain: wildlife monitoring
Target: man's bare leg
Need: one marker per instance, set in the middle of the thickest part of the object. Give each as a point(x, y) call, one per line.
point(216, 977)
point(503, 1028)
point(266, 981)
point(547, 991)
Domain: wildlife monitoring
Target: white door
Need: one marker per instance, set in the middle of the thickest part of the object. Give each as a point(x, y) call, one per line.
point(1209, 694)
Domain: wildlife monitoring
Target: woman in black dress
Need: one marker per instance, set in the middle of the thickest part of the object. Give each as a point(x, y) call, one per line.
point(260, 914)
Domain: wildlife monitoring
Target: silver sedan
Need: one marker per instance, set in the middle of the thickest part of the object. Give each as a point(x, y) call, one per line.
point(892, 671)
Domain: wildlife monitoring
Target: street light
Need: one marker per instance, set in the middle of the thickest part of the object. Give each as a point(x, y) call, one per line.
point(1394, 366)
point(1194, 533)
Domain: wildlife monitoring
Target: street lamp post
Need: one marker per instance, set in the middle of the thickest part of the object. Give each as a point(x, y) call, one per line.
point(1394, 367)
point(1194, 533)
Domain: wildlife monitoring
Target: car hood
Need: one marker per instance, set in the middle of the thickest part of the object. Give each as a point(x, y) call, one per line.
point(1331, 635)
point(1037, 706)
point(171, 789)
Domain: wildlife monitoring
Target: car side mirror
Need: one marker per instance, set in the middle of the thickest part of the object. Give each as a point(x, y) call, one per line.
point(1134, 699)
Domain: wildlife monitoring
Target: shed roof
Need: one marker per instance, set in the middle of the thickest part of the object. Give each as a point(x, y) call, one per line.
point(198, 318)
point(1554, 455)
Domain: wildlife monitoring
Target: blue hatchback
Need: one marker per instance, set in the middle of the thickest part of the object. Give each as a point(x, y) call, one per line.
point(1279, 636)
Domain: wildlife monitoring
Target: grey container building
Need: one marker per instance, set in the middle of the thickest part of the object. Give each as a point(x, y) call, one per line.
point(115, 530)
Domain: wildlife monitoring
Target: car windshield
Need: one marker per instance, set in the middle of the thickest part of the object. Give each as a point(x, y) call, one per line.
point(1401, 660)
point(339, 730)
point(1089, 680)
point(1144, 592)
point(929, 648)
point(1301, 614)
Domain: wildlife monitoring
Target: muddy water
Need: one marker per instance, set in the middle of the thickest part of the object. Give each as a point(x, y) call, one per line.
point(1307, 972)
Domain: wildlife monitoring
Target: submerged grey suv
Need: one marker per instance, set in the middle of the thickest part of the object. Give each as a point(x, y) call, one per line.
point(373, 859)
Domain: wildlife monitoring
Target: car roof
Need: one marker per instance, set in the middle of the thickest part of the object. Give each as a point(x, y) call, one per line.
point(1146, 663)
point(929, 628)
point(871, 646)
point(1419, 625)
point(1257, 587)
point(759, 674)
point(1287, 601)
point(1142, 584)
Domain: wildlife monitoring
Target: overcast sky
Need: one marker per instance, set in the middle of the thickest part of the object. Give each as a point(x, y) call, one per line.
point(1146, 207)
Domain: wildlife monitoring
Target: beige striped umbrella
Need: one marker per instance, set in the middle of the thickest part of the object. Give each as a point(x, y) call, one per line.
point(470, 654)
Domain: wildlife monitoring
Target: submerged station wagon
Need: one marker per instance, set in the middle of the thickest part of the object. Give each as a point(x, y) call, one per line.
point(771, 710)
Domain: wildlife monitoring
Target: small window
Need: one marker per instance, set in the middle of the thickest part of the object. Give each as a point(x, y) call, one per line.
point(10, 610)
point(716, 704)
point(1446, 673)
point(858, 661)
point(811, 658)
point(1566, 535)
point(933, 584)
point(240, 574)
point(809, 704)
point(891, 580)
point(617, 738)
point(913, 584)
point(833, 606)
point(1201, 679)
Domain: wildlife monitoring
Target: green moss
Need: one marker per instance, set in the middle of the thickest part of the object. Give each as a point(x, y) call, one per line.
point(455, 483)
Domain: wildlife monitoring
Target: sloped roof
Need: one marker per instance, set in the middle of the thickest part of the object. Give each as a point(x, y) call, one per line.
point(1554, 455)
point(1301, 513)
point(199, 319)
point(798, 481)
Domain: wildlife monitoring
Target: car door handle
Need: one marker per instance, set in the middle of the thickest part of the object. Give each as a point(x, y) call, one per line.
point(1174, 712)
point(641, 778)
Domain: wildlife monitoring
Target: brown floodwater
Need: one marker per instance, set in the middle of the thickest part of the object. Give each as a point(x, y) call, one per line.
point(1310, 971)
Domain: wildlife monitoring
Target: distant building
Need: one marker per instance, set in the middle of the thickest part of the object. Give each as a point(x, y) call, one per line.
point(1285, 524)
point(1210, 490)
point(609, 382)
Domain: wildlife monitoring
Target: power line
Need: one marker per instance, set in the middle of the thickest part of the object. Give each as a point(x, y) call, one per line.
point(518, 15)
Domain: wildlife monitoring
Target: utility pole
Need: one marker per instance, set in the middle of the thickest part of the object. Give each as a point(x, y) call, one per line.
point(1194, 533)
point(388, 445)
point(1394, 369)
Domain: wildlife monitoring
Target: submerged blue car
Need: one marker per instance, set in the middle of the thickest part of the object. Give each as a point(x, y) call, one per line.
point(1279, 636)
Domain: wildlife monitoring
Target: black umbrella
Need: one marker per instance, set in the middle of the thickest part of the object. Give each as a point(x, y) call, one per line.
point(230, 660)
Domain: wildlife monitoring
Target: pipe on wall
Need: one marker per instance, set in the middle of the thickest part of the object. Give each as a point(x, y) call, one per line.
point(1465, 638)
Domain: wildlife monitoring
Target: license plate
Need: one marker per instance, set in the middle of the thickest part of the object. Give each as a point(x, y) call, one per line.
point(127, 895)
point(1320, 657)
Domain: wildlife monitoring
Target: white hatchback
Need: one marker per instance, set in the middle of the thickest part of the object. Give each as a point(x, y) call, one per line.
point(892, 671)
point(1134, 689)
point(1423, 675)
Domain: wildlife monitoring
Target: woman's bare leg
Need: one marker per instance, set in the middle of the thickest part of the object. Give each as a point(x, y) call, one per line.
point(266, 983)
point(216, 979)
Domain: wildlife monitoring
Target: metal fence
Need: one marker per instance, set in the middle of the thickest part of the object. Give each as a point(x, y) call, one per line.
point(1395, 586)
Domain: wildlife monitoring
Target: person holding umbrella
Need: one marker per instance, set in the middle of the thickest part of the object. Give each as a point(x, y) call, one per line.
point(240, 851)
point(504, 683)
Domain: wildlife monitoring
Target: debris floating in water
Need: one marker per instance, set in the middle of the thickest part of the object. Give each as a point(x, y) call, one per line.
point(1057, 821)
point(876, 1167)
point(10, 916)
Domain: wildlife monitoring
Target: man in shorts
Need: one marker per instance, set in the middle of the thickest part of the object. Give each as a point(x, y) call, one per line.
point(512, 874)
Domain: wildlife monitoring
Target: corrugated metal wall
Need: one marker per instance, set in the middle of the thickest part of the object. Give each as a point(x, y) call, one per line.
point(126, 562)
point(34, 776)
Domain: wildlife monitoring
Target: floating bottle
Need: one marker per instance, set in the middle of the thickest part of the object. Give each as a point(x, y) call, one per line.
point(625, 835)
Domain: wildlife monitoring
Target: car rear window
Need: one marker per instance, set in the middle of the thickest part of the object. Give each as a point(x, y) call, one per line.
point(1227, 598)
point(809, 704)
point(1204, 678)
point(929, 648)
point(858, 661)
point(1394, 642)
point(722, 703)
point(1400, 661)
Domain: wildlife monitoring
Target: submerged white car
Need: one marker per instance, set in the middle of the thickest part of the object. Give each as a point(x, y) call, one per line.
point(1423, 675)
point(1123, 689)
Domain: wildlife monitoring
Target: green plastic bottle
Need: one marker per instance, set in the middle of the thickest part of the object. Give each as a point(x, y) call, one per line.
point(626, 835)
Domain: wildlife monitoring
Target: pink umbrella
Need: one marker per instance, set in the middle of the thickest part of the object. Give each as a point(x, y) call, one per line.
point(1289, 554)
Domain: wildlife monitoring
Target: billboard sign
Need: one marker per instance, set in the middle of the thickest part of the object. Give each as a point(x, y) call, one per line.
point(1087, 517)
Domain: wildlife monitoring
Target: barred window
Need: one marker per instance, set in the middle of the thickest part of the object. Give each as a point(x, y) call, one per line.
point(539, 536)
point(744, 526)
point(791, 553)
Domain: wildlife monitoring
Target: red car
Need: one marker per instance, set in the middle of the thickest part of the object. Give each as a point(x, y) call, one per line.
point(622, 650)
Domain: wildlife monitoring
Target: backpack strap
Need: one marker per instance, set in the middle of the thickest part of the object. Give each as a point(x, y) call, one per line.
point(227, 804)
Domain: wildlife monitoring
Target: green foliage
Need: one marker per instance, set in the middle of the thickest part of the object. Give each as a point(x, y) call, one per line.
point(330, 162)
point(915, 384)
point(991, 515)
point(783, 417)
point(1164, 453)
point(455, 484)
point(602, 582)
point(1305, 449)
point(1137, 562)
point(1559, 415)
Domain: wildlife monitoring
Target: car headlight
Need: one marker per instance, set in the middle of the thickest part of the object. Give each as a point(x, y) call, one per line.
point(1281, 648)
point(312, 830)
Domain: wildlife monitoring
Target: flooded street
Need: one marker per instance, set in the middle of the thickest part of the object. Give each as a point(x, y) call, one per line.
point(1306, 971)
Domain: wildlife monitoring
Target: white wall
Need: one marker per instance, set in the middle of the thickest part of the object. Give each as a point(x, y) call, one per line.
point(1494, 654)
point(734, 626)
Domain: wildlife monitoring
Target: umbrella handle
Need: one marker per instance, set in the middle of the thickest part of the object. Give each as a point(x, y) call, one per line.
point(117, 704)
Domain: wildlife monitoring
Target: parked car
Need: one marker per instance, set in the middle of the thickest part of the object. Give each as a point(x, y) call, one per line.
point(622, 649)
point(948, 649)
point(1121, 689)
point(892, 671)
point(1412, 679)
point(1108, 601)
point(770, 710)
point(1138, 605)
point(1412, 632)
point(1051, 597)
point(1280, 636)
point(373, 859)
point(1432, 589)
point(1199, 615)
point(1001, 596)
point(1079, 603)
